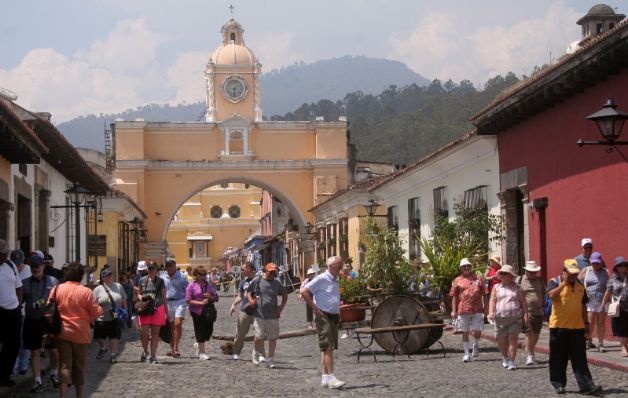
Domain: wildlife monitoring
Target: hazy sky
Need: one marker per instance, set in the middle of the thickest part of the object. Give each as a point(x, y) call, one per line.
point(76, 57)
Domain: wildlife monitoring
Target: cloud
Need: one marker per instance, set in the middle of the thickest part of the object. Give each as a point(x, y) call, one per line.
point(449, 46)
point(275, 50)
point(113, 75)
point(186, 77)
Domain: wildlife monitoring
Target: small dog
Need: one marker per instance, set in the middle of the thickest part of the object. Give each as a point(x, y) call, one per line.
point(227, 348)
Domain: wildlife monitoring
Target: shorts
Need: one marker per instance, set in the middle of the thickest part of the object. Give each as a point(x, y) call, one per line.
point(157, 319)
point(107, 329)
point(505, 325)
point(467, 322)
point(33, 334)
point(71, 362)
point(176, 309)
point(535, 323)
point(267, 329)
point(594, 307)
point(327, 329)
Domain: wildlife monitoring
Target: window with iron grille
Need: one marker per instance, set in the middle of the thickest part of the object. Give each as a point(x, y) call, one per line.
point(476, 198)
point(440, 202)
point(343, 237)
point(414, 228)
point(216, 211)
point(393, 217)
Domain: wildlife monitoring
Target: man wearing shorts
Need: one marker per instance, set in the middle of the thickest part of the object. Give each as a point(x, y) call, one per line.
point(534, 291)
point(323, 296)
point(467, 305)
point(267, 314)
point(176, 283)
point(36, 289)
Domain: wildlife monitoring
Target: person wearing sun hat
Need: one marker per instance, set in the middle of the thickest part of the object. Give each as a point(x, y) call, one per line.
point(595, 277)
point(509, 309)
point(467, 306)
point(617, 290)
point(568, 323)
point(534, 291)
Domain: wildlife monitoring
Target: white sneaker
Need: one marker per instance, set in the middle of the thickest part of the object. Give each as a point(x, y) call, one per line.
point(270, 363)
point(335, 383)
point(466, 358)
point(511, 365)
point(476, 351)
point(600, 348)
point(254, 358)
point(196, 349)
point(505, 363)
point(261, 359)
point(324, 383)
point(203, 357)
point(235, 357)
point(530, 360)
point(345, 335)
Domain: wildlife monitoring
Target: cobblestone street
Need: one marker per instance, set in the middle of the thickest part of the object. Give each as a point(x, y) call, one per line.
point(297, 371)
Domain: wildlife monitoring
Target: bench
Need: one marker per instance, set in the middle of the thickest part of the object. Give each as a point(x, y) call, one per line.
point(400, 334)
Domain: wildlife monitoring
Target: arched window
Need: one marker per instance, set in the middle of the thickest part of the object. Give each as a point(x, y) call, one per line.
point(234, 211)
point(216, 211)
point(232, 37)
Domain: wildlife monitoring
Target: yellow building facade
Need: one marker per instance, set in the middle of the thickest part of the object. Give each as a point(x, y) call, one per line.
point(212, 221)
point(163, 165)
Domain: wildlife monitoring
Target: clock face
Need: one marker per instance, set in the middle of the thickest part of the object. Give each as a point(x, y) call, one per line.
point(234, 89)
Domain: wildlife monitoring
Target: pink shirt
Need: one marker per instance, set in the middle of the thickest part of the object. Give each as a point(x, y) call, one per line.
point(78, 309)
point(194, 291)
point(508, 303)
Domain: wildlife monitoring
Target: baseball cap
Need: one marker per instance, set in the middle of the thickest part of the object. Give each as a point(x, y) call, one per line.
point(105, 272)
point(4, 247)
point(586, 241)
point(36, 260)
point(596, 257)
point(271, 267)
point(571, 266)
point(17, 256)
point(40, 253)
point(141, 266)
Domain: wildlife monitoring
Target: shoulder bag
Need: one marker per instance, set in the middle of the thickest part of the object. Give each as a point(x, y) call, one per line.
point(248, 308)
point(209, 313)
point(146, 306)
point(613, 308)
point(52, 316)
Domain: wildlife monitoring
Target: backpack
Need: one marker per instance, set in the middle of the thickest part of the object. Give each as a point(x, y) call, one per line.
point(547, 308)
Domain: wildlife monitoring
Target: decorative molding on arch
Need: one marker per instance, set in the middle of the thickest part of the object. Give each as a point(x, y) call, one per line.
point(249, 164)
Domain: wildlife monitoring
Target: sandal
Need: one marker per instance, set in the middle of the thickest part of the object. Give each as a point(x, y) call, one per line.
point(176, 354)
point(170, 353)
point(624, 354)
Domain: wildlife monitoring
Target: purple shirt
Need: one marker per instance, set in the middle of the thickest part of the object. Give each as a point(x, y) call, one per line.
point(194, 291)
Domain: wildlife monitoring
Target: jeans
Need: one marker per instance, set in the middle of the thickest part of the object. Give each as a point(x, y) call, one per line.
point(568, 345)
point(10, 336)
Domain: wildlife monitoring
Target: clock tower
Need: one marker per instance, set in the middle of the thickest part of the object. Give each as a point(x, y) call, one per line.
point(233, 76)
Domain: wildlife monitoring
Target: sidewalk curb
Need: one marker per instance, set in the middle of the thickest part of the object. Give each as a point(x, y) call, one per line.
point(545, 350)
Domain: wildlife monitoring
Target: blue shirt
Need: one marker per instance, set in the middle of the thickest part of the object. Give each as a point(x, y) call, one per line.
point(582, 262)
point(324, 289)
point(175, 286)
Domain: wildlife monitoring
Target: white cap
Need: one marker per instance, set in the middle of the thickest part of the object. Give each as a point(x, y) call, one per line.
point(141, 266)
point(586, 241)
point(465, 261)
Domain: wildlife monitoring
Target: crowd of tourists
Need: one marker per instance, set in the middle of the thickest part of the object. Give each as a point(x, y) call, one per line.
point(575, 304)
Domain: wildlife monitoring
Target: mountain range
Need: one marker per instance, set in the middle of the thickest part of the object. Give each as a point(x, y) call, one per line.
point(283, 91)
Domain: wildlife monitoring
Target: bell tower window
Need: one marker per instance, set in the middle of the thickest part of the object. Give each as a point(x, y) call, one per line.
point(232, 37)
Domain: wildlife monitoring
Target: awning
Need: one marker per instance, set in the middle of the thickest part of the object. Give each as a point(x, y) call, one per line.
point(200, 237)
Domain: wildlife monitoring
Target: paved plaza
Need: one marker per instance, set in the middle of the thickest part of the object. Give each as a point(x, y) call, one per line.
point(297, 371)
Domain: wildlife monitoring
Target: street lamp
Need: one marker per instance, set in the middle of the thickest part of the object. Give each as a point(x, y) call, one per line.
point(77, 194)
point(371, 207)
point(610, 122)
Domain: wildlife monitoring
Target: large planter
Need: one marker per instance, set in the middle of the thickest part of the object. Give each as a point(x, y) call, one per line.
point(352, 313)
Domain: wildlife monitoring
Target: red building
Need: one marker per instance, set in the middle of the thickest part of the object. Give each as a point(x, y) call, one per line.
point(553, 192)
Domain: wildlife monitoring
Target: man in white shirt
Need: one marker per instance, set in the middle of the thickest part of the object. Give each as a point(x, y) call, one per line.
point(323, 296)
point(10, 315)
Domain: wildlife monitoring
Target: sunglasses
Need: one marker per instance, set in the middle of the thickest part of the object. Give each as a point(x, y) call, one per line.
point(465, 266)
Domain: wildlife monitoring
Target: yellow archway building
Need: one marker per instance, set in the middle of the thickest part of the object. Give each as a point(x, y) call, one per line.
point(161, 165)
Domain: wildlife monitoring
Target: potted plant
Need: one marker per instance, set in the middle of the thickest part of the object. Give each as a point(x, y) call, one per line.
point(353, 297)
point(385, 266)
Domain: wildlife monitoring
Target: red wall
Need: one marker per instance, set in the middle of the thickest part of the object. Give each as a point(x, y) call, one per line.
point(587, 188)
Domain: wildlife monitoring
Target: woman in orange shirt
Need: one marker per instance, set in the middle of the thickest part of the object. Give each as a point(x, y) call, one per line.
point(78, 309)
